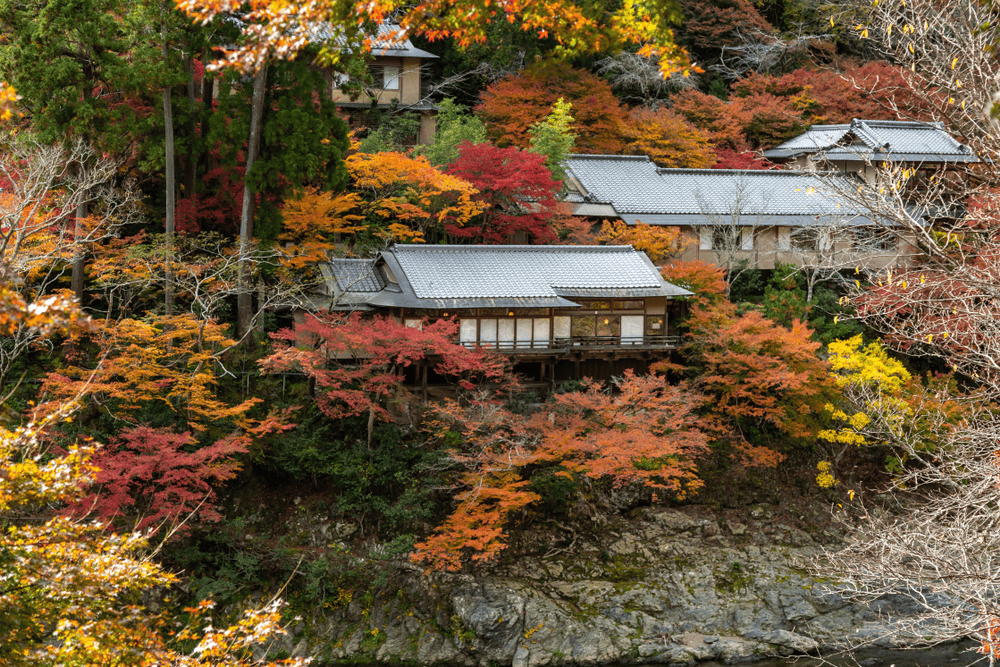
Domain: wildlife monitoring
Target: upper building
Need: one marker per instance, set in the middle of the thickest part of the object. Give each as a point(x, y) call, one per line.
point(398, 82)
point(764, 216)
point(860, 145)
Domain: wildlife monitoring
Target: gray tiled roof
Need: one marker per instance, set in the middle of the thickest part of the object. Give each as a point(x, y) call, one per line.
point(386, 43)
point(356, 275)
point(445, 277)
point(892, 140)
point(449, 272)
point(639, 191)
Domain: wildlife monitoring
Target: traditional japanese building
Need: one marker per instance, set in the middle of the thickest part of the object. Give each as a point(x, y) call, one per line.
point(861, 146)
point(560, 312)
point(762, 217)
point(398, 82)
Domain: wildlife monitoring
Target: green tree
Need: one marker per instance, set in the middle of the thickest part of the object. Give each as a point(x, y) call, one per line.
point(454, 127)
point(553, 137)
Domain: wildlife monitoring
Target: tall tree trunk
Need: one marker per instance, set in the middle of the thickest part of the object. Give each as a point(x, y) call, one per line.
point(244, 308)
point(207, 107)
point(191, 157)
point(82, 210)
point(168, 124)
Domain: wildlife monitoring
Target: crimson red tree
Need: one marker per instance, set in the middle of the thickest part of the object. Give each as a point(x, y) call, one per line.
point(357, 363)
point(518, 192)
point(158, 475)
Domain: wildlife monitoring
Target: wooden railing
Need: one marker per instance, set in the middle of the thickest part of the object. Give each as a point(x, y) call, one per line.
point(579, 343)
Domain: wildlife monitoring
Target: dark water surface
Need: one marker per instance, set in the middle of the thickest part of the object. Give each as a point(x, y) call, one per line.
point(950, 655)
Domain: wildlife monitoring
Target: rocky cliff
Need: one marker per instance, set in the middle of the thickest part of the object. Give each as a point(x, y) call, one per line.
point(668, 586)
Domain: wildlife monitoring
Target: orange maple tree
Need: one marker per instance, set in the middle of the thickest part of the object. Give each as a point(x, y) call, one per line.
point(312, 222)
point(170, 362)
point(70, 589)
point(644, 431)
point(408, 198)
point(273, 28)
point(658, 242)
point(761, 377)
point(707, 281)
point(667, 139)
point(511, 106)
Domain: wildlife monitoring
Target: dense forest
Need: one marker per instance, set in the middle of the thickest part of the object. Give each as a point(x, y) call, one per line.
point(171, 178)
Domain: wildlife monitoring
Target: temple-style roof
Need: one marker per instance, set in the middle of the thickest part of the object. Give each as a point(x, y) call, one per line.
point(878, 140)
point(634, 189)
point(390, 41)
point(458, 276)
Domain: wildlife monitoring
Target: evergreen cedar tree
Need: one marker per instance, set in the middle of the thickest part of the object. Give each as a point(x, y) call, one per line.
point(70, 590)
point(515, 190)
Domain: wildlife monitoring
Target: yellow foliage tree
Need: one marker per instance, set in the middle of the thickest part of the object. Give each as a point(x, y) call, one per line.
point(70, 590)
point(313, 221)
point(411, 196)
point(883, 404)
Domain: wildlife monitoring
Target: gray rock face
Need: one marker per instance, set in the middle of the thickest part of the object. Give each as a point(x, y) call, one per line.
point(668, 589)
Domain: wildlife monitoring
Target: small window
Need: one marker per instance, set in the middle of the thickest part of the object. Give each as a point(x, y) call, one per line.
point(384, 77)
point(390, 78)
point(805, 239)
point(627, 305)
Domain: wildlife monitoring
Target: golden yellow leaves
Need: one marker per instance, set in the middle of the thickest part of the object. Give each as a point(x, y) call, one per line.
point(824, 479)
point(8, 97)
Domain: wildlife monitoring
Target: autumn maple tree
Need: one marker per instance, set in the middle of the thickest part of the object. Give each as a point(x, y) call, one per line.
point(763, 379)
point(357, 363)
point(273, 29)
point(69, 589)
point(645, 432)
point(516, 194)
point(660, 243)
point(407, 198)
point(511, 106)
point(667, 139)
point(706, 281)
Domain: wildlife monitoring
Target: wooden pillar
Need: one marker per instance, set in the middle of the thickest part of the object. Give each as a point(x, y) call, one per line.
point(423, 383)
point(552, 378)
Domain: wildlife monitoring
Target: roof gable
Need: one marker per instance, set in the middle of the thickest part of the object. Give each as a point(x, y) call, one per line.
point(891, 140)
point(390, 40)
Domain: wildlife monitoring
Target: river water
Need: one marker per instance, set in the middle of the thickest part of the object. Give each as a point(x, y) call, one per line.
point(950, 655)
